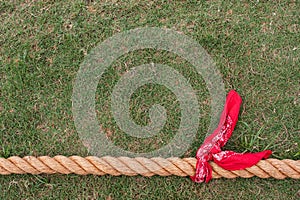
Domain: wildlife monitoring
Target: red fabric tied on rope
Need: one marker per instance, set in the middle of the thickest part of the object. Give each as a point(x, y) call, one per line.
point(211, 148)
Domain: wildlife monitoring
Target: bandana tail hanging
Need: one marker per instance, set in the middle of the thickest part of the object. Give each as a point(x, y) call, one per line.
point(211, 148)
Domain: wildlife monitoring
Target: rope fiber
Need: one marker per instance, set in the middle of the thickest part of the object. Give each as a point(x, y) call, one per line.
point(278, 169)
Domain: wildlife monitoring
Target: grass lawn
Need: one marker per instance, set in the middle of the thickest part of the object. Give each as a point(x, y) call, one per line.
point(256, 47)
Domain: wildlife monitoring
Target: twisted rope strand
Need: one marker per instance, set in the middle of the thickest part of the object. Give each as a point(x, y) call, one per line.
point(278, 169)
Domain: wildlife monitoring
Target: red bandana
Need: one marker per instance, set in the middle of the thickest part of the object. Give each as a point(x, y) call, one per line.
point(211, 148)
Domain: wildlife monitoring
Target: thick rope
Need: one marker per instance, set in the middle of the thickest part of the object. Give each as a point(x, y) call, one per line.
point(278, 169)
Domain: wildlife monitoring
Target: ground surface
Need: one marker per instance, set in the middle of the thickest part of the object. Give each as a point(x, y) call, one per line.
point(255, 46)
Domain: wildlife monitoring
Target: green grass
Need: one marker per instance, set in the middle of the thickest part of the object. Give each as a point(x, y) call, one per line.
point(255, 46)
